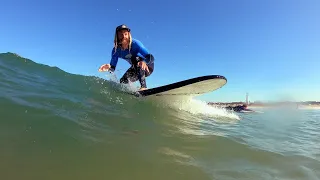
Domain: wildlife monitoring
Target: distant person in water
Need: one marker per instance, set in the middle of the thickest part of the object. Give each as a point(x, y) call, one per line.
point(238, 108)
point(133, 51)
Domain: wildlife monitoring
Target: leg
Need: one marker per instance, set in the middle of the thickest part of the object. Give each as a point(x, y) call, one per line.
point(129, 75)
point(135, 73)
point(142, 77)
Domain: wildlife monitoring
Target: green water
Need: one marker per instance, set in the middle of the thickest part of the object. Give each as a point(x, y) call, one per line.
point(55, 125)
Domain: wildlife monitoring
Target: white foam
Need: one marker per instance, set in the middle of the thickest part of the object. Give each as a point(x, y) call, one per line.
point(196, 107)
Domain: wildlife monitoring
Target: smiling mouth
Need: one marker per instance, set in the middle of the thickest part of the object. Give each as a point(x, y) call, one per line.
point(124, 40)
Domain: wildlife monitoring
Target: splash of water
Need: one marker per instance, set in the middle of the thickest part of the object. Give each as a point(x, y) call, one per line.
point(129, 88)
point(194, 106)
point(198, 107)
point(182, 103)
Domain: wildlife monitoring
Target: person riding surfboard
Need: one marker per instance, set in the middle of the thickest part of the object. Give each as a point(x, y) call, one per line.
point(134, 52)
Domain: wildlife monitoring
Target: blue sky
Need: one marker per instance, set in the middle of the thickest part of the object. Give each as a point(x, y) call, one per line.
point(270, 49)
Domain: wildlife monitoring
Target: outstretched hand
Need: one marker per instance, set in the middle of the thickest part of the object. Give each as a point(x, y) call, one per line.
point(104, 67)
point(143, 66)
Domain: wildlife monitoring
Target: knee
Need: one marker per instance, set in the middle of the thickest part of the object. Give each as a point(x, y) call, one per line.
point(148, 73)
point(141, 71)
point(124, 80)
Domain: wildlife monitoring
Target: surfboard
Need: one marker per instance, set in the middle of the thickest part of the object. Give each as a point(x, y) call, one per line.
point(244, 111)
point(190, 87)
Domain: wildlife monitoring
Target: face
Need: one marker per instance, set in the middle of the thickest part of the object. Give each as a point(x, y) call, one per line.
point(123, 36)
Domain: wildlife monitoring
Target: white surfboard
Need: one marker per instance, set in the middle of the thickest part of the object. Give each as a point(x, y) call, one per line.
point(190, 87)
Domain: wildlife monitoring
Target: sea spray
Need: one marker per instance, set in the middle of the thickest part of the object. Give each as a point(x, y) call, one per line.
point(194, 106)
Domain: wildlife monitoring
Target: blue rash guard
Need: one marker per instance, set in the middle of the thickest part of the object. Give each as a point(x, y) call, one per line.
point(137, 50)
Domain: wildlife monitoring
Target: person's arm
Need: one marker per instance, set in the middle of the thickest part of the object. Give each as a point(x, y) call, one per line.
point(114, 60)
point(148, 57)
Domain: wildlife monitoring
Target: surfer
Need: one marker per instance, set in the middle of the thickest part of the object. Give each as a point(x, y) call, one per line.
point(134, 52)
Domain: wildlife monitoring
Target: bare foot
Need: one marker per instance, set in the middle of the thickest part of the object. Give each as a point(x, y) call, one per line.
point(141, 89)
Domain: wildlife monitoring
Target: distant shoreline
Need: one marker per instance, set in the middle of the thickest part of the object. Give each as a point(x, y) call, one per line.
point(294, 105)
point(297, 107)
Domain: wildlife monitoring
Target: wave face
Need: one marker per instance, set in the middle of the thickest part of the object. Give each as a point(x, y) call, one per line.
point(57, 125)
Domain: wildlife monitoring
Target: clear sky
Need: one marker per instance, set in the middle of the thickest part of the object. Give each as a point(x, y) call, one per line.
point(268, 48)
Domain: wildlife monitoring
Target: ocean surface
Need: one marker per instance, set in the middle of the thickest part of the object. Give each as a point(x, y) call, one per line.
point(60, 126)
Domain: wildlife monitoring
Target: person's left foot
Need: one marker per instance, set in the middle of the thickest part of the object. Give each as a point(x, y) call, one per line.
point(141, 89)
